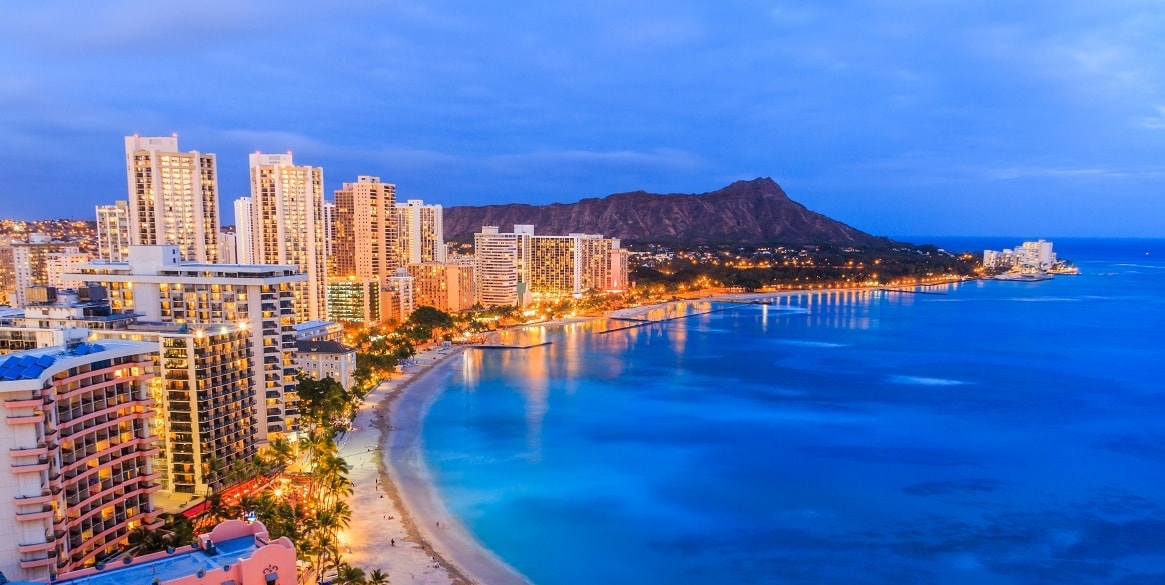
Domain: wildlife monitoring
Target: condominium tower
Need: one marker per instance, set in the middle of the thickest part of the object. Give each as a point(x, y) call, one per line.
point(173, 197)
point(366, 230)
point(113, 233)
point(287, 208)
point(420, 232)
point(244, 232)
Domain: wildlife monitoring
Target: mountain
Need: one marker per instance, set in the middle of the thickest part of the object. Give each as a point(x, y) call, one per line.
point(745, 212)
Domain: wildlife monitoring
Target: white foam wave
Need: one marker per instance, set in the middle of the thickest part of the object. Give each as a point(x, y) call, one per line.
point(925, 381)
point(1150, 266)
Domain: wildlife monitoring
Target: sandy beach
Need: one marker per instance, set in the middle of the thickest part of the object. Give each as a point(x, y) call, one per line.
point(395, 508)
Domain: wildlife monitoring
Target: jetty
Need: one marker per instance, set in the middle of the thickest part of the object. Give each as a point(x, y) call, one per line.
point(511, 346)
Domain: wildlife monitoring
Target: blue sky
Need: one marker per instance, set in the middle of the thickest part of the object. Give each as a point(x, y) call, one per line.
point(1033, 118)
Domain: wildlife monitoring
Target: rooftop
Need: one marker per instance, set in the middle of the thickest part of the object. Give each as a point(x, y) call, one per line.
point(325, 346)
point(187, 561)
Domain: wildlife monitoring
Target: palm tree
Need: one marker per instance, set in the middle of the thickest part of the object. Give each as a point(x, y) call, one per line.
point(377, 577)
point(348, 575)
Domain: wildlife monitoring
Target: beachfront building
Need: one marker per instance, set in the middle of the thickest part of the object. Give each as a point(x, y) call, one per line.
point(448, 287)
point(1028, 257)
point(204, 402)
point(515, 268)
point(366, 229)
point(498, 261)
point(78, 446)
point(420, 233)
point(234, 552)
point(327, 359)
point(287, 225)
point(156, 285)
point(173, 197)
point(113, 237)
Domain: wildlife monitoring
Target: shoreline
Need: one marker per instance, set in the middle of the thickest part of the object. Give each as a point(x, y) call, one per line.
point(385, 447)
point(393, 525)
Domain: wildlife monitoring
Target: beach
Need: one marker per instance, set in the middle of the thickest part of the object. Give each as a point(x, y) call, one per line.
point(395, 511)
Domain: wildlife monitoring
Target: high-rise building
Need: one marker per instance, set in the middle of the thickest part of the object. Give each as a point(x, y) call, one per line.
point(30, 262)
point(366, 229)
point(78, 443)
point(511, 269)
point(173, 197)
point(244, 232)
point(113, 234)
point(204, 403)
point(448, 287)
point(228, 247)
point(497, 262)
point(329, 230)
point(155, 285)
point(287, 209)
point(420, 233)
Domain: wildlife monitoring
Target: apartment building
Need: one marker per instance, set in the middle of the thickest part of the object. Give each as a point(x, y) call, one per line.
point(113, 231)
point(173, 197)
point(448, 287)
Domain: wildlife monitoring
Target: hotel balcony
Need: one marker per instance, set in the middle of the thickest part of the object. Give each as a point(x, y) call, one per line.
point(41, 450)
point(41, 562)
point(36, 547)
point(34, 402)
point(39, 465)
point(30, 419)
point(44, 513)
point(45, 497)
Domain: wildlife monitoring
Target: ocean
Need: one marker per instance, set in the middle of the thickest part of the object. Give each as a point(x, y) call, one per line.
point(990, 432)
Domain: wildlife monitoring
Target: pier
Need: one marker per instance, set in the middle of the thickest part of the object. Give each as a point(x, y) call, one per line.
point(508, 346)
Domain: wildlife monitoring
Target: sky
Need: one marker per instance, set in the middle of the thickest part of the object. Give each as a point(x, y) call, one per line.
point(1036, 118)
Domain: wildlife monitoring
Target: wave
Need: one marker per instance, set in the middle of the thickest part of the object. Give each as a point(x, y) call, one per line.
point(1150, 266)
point(925, 381)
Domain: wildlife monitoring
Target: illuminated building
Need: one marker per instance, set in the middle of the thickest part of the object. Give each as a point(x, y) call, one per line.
point(327, 359)
point(287, 208)
point(228, 247)
point(173, 197)
point(160, 288)
point(366, 229)
point(7, 274)
point(235, 552)
point(78, 444)
point(401, 297)
point(512, 267)
point(205, 406)
point(58, 264)
point(30, 263)
point(448, 287)
point(497, 262)
point(354, 300)
point(113, 233)
point(244, 232)
point(420, 233)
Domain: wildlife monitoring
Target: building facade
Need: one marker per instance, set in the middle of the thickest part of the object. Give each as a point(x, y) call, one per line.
point(400, 299)
point(420, 233)
point(448, 287)
point(327, 359)
point(173, 197)
point(355, 300)
point(159, 288)
point(516, 268)
point(244, 232)
point(78, 446)
point(287, 207)
point(366, 229)
point(113, 237)
point(30, 262)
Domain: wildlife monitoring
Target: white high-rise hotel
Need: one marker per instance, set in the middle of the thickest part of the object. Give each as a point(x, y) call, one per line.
point(287, 225)
point(173, 197)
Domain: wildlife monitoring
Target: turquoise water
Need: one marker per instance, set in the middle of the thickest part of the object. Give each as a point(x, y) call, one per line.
point(998, 432)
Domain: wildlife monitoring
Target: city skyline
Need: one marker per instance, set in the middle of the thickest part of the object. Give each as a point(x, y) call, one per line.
point(895, 118)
